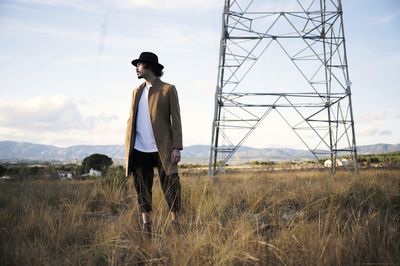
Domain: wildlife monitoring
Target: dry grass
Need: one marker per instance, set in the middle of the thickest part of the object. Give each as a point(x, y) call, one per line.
point(273, 218)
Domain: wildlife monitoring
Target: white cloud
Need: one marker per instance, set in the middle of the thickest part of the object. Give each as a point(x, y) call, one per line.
point(84, 59)
point(164, 4)
point(374, 131)
point(276, 6)
point(389, 18)
point(370, 117)
point(88, 5)
point(368, 132)
point(183, 37)
point(378, 116)
point(386, 132)
point(78, 4)
point(53, 113)
point(204, 85)
point(6, 57)
point(56, 120)
point(378, 127)
point(12, 25)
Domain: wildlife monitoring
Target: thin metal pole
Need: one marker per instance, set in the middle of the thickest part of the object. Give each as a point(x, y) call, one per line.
point(217, 108)
point(327, 85)
point(348, 92)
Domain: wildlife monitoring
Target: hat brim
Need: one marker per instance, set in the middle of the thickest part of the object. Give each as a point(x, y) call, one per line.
point(136, 61)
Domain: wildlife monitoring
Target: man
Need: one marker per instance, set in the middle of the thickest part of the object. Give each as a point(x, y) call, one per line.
point(154, 138)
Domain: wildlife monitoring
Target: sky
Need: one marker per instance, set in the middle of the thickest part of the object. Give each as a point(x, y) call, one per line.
point(66, 76)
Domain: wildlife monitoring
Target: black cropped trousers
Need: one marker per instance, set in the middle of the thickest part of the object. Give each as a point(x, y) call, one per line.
point(143, 164)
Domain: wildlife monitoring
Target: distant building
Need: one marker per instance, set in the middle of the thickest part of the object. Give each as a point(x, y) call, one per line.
point(65, 174)
point(93, 173)
point(343, 162)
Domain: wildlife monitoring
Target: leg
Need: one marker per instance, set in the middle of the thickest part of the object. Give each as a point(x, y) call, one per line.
point(172, 190)
point(143, 181)
point(174, 216)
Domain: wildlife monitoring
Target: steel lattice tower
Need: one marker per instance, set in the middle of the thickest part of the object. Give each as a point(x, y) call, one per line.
point(318, 108)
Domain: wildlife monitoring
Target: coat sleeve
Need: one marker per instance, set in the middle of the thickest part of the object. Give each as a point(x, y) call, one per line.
point(176, 124)
point(128, 135)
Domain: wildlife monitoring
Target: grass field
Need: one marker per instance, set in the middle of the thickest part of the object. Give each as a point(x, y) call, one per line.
point(265, 218)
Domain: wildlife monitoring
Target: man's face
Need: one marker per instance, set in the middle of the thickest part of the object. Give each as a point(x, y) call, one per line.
point(141, 71)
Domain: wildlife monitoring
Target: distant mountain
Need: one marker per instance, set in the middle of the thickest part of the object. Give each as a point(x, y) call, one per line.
point(31, 151)
point(378, 148)
point(10, 150)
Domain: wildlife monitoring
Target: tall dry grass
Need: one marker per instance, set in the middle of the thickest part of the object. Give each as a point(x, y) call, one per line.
point(273, 218)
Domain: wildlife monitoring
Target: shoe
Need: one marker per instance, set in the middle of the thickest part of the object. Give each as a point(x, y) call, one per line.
point(146, 229)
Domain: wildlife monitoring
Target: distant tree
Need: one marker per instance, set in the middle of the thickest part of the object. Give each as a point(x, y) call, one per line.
point(80, 169)
point(97, 161)
point(35, 170)
point(373, 160)
point(3, 170)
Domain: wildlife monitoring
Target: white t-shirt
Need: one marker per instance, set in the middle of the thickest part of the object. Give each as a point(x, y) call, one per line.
point(144, 140)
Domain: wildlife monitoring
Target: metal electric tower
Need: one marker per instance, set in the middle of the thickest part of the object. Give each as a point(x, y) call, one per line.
point(311, 93)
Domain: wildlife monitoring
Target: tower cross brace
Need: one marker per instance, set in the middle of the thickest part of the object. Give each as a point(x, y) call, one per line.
point(310, 34)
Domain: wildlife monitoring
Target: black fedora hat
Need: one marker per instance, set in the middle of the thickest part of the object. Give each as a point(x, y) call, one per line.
point(147, 57)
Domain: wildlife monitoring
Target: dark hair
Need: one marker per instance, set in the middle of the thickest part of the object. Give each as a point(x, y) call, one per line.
point(154, 68)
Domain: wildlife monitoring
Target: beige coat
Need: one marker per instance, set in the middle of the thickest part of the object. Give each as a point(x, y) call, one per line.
point(165, 119)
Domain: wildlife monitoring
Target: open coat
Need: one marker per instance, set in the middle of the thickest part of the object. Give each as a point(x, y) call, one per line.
point(165, 119)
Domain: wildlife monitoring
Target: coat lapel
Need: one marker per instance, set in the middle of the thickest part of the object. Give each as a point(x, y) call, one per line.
point(154, 88)
point(131, 127)
point(138, 94)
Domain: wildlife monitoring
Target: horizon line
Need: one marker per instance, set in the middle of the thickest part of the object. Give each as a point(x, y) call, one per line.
point(247, 146)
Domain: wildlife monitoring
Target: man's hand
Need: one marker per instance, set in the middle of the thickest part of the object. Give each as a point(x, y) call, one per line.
point(175, 156)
